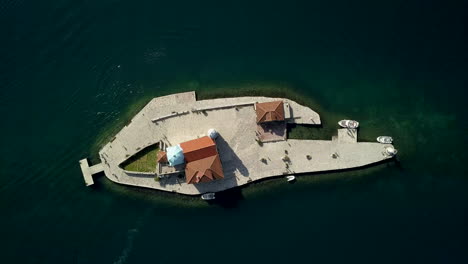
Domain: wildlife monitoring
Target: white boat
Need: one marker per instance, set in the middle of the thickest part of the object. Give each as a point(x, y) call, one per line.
point(385, 140)
point(390, 151)
point(208, 196)
point(349, 124)
point(290, 178)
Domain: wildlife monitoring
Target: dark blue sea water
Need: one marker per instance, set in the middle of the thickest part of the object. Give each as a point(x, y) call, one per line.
point(72, 72)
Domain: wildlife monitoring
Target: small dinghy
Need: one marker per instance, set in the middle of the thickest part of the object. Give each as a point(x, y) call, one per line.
point(290, 178)
point(385, 140)
point(349, 124)
point(208, 196)
point(390, 151)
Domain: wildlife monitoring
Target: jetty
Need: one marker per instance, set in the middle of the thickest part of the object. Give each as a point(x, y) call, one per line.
point(88, 171)
point(249, 149)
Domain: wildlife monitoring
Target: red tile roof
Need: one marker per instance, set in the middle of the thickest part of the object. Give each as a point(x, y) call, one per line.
point(270, 111)
point(199, 148)
point(203, 162)
point(161, 157)
point(204, 170)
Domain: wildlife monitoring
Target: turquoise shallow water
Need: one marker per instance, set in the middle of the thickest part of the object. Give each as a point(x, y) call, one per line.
point(72, 72)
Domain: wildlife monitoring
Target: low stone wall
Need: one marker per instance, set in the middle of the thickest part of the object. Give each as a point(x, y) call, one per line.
point(140, 173)
point(222, 106)
point(169, 116)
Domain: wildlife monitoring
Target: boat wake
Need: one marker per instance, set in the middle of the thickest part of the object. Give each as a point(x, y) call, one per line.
point(128, 247)
point(131, 234)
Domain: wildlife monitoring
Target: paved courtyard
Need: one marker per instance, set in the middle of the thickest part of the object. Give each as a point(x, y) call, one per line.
point(273, 131)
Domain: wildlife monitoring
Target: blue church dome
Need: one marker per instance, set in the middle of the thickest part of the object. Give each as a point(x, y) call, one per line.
point(175, 156)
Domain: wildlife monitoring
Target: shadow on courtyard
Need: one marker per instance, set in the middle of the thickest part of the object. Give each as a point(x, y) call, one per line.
point(229, 158)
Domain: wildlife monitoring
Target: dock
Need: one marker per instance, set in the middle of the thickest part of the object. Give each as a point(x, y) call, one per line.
point(88, 171)
point(347, 135)
point(243, 159)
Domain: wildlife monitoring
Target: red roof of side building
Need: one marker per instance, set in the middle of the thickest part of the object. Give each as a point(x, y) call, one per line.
point(204, 170)
point(161, 156)
point(199, 148)
point(270, 111)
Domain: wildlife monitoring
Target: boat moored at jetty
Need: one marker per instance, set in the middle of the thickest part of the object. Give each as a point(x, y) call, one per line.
point(390, 151)
point(290, 178)
point(385, 140)
point(349, 124)
point(208, 196)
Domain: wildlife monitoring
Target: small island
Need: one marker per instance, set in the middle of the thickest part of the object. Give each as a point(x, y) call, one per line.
point(179, 144)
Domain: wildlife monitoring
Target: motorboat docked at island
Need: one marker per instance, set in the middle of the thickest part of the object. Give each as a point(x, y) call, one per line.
point(290, 178)
point(390, 151)
point(385, 140)
point(208, 196)
point(349, 124)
